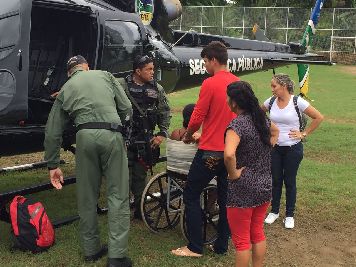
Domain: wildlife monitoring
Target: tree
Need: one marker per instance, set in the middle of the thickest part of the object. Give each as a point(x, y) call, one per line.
point(274, 3)
point(295, 3)
point(203, 2)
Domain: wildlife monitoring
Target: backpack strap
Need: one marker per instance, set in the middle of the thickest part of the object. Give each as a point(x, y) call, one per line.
point(271, 103)
point(295, 101)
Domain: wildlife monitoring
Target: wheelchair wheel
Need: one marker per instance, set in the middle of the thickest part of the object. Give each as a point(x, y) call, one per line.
point(210, 215)
point(157, 214)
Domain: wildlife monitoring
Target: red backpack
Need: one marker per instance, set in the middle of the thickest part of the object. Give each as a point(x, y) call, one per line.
point(30, 224)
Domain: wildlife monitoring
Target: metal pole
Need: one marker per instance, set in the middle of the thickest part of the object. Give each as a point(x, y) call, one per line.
point(287, 25)
point(243, 23)
point(332, 36)
point(331, 48)
point(222, 21)
point(201, 20)
point(180, 22)
point(265, 21)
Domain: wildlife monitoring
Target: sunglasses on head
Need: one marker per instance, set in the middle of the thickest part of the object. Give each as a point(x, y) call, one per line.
point(144, 59)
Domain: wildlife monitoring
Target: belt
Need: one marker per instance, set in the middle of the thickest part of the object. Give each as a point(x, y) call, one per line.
point(114, 127)
point(288, 146)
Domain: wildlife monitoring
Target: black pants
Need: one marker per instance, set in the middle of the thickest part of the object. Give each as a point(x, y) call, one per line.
point(205, 166)
point(285, 164)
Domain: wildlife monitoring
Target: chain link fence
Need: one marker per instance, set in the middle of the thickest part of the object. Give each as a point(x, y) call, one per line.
point(280, 24)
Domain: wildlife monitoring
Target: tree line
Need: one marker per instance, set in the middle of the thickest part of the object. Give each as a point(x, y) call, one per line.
point(271, 3)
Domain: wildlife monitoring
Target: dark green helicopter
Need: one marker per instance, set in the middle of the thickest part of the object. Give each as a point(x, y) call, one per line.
point(38, 36)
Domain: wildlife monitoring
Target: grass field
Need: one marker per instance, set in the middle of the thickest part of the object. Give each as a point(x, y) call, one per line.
point(325, 232)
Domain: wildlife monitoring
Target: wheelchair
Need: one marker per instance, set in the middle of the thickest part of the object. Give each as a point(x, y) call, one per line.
point(162, 200)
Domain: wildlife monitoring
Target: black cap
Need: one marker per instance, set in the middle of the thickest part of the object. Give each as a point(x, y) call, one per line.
point(76, 60)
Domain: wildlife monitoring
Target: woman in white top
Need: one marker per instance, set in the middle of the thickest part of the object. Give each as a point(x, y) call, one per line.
point(288, 152)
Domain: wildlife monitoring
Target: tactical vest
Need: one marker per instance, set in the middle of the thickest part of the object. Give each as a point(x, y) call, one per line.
point(146, 96)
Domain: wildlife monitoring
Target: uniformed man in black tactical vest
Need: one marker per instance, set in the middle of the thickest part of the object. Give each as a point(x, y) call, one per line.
point(150, 109)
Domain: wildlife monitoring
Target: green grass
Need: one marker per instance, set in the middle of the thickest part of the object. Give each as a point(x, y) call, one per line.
point(326, 182)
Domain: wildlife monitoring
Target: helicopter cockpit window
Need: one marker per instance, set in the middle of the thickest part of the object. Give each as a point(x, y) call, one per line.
point(122, 41)
point(9, 27)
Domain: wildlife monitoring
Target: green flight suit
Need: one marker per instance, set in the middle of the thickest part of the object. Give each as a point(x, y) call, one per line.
point(138, 172)
point(95, 96)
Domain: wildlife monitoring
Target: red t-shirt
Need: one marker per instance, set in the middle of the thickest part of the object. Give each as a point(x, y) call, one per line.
point(212, 111)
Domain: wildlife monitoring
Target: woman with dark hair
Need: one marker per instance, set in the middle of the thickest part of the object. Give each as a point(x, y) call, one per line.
point(286, 111)
point(247, 156)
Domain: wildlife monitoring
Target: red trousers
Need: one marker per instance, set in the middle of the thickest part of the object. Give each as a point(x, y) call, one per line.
point(246, 225)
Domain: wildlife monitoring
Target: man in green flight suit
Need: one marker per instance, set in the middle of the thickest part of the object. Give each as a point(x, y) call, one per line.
point(98, 106)
point(150, 109)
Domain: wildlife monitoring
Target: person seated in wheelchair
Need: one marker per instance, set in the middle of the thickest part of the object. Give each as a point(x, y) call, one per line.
point(179, 157)
point(179, 150)
point(178, 134)
point(179, 154)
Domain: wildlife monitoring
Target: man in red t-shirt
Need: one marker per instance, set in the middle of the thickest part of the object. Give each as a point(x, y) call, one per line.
point(213, 113)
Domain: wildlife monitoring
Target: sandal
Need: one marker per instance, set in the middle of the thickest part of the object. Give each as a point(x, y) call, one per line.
point(185, 252)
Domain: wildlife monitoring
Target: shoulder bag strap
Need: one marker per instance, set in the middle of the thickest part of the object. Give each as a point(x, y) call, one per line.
point(271, 103)
point(295, 101)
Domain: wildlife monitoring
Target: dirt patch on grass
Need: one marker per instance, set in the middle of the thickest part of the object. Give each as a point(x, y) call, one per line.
point(20, 159)
point(348, 69)
point(340, 121)
point(330, 157)
point(176, 110)
point(311, 243)
point(31, 158)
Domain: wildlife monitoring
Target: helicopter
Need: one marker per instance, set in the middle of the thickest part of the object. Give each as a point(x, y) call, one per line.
point(38, 36)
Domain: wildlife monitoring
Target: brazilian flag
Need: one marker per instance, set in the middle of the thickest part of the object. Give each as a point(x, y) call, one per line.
point(303, 69)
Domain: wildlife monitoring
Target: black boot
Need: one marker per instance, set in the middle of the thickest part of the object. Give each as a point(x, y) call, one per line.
point(137, 215)
point(119, 262)
point(101, 253)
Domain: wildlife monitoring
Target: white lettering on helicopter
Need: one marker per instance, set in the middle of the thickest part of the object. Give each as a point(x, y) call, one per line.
point(197, 66)
point(243, 64)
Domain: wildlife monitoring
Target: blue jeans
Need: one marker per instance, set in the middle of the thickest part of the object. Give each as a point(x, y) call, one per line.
point(205, 166)
point(285, 164)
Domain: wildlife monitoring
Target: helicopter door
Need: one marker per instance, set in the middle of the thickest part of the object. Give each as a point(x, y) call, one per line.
point(15, 16)
point(123, 36)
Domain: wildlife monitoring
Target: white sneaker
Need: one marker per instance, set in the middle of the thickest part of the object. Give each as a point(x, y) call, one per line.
point(289, 222)
point(271, 218)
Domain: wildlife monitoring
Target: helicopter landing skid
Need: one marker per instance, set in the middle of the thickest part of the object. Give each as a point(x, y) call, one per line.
point(27, 167)
point(6, 197)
